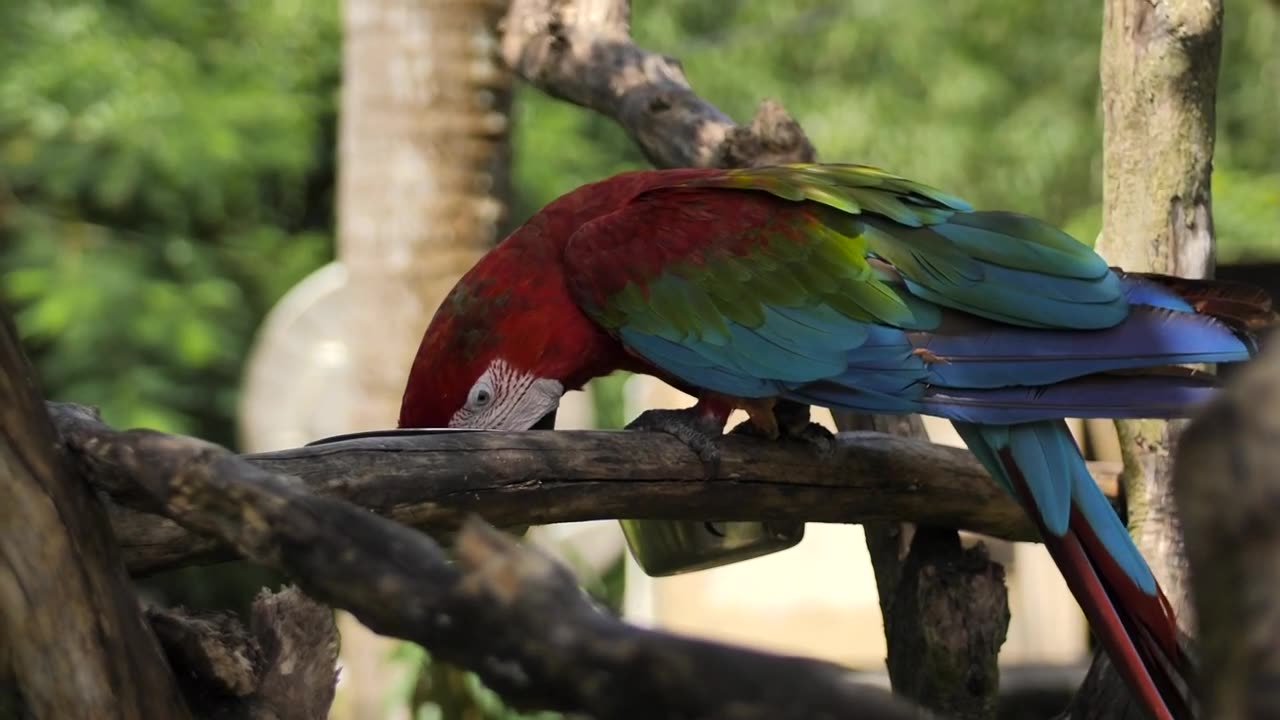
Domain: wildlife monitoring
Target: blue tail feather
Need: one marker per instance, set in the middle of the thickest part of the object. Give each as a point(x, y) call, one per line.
point(1057, 479)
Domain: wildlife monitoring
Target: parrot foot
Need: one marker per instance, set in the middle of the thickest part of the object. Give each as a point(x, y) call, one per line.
point(793, 425)
point(696, 430)
point(811, 434)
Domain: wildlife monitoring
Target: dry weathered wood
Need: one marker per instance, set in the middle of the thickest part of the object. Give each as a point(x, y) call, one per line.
point(1159, 73)
point(1227, 488)
point(282, 666)
point(73, 634)
point(506, 611)
point(581, 52)
point(945, 607)
point(434, 481)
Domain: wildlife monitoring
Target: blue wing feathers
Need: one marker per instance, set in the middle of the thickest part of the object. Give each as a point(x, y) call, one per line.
point(974, 356)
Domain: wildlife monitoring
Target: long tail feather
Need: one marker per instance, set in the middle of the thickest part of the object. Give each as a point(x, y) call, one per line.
point(968, 352)
point(1156, 393)
point(1040, 464)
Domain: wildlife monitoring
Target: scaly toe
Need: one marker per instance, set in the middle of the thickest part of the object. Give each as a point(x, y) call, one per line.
point(699, 436)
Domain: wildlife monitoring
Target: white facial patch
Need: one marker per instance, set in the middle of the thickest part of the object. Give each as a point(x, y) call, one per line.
point(504, 398)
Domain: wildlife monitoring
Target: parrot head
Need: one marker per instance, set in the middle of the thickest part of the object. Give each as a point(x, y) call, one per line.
point(505, 344)
point(484, 361)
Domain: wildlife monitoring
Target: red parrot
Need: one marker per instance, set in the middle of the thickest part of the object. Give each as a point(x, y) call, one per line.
point(847, 287)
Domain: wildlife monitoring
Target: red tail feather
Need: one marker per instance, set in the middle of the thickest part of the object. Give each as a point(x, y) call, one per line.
point(1138, 631)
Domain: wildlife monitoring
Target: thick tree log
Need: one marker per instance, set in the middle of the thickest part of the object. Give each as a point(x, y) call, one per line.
point(1227, 487)
point(71, 630)
point(435, 481)
point(1159, 79)
point(501, 609)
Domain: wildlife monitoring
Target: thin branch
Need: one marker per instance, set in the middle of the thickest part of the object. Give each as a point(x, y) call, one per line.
point(502, 609)
point(581, 52)
point(435, 481)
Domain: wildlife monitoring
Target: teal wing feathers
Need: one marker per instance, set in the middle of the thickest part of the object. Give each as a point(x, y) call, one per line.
point(841, 285)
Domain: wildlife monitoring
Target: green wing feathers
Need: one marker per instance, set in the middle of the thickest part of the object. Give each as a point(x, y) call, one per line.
point(731, 238)
point(854, 189)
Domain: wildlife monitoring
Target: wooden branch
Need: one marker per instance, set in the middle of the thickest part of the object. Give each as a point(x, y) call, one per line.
point(1227, 487)
point(504, 610)
point(435, 481)
point(581, 52)
point(1159, 73)
point(72, 634)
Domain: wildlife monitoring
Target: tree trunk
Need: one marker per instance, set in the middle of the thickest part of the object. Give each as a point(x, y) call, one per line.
point(72, 635)
point(1159, 80)
point(423, 185)
point(423, 147)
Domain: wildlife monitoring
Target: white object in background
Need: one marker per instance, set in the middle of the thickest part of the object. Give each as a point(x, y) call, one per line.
point(296, 380)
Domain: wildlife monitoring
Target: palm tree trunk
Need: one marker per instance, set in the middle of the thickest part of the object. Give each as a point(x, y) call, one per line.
point(422, 190)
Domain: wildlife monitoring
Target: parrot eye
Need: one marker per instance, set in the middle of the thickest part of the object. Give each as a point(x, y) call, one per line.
point(481, 395)
point(504, 398)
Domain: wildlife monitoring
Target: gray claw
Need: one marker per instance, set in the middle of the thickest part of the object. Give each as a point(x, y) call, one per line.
point(690, 428)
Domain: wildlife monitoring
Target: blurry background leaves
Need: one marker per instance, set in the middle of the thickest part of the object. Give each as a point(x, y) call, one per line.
point(166, 173)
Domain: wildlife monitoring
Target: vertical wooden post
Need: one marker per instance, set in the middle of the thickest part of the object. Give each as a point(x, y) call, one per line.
point(422, 193)
point(422, 149)
point(1159, 74)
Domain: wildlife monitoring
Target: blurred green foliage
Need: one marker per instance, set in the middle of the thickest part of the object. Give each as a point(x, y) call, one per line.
point(166, 173)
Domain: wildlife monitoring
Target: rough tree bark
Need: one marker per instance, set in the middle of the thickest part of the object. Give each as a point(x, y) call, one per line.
point(71, 630)
point(499, 608)
point(435, 481)
point(580, 51)
point(1227, 488)
point(945, 607)
point(1159, 78)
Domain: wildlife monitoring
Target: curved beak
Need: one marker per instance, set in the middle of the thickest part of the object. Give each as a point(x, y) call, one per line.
point(390, 432)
